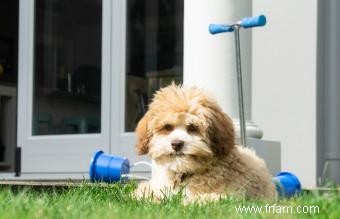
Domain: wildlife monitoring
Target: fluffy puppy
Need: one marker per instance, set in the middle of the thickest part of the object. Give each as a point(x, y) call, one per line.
point(191, 145)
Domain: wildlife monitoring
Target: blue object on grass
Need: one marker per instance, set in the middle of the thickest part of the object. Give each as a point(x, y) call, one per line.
point(287, 184)
point(108, 168)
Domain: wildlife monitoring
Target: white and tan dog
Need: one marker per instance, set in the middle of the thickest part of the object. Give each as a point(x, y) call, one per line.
point(191, 144)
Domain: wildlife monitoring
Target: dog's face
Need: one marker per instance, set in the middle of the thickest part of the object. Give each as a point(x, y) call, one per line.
point(184, 128)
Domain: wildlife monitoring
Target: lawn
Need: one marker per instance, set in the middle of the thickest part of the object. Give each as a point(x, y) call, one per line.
point(116, 201)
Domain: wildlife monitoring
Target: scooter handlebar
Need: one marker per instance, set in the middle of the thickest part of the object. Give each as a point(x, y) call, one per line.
point(219, 28)
point(256, 21)
point(247, 22)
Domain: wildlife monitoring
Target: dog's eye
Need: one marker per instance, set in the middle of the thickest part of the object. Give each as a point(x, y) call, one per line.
point(191, 128)
point(168, 127)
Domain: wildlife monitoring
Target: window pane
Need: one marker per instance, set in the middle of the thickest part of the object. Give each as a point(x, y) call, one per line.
point(67, 67)
point(154, 52)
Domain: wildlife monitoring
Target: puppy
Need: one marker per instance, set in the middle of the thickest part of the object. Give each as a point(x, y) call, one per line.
point(191, 145)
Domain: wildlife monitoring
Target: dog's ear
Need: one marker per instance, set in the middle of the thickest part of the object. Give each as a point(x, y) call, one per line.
point(221, 132)
point(144, 135)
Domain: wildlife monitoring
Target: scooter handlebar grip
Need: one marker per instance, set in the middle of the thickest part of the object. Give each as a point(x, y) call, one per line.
point(256, 21)
point(219, 28)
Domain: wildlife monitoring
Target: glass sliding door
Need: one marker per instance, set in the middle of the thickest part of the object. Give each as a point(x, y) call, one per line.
point(87, 71)
point(65, 71)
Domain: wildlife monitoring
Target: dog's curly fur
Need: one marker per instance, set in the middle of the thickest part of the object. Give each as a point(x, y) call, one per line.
point(208, 164)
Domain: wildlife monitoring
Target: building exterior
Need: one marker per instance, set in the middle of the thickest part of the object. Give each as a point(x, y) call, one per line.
point(76, 76)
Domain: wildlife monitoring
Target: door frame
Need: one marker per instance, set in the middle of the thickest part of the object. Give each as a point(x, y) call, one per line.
point(122, 142)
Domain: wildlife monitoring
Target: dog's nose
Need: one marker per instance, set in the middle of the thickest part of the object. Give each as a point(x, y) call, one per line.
point(177, 144)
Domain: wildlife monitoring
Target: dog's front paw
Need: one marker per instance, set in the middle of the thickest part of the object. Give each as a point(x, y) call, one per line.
point(143, 190)
point(146, 191)
point(201, 198)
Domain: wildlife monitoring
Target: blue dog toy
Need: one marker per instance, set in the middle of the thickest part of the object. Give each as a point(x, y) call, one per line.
point(287, 184)
point(110, 168)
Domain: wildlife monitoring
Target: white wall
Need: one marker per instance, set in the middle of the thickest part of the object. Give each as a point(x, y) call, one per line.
point(284, 81)
point(209, 60)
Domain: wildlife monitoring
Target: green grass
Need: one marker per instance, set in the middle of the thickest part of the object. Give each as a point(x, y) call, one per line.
point(116, 201)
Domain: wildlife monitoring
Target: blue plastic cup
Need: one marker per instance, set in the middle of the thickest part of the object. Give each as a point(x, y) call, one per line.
point(287, 184)
point(107, 167)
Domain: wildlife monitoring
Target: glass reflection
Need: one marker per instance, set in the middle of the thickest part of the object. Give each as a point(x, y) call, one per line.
point(67, 67)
